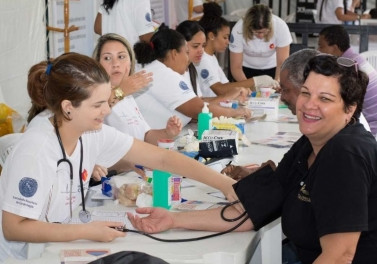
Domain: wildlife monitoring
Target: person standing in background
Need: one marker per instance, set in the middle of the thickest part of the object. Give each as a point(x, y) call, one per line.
point(213, 80)
point(188, 9)
point(335, 40)
point(132, 19)
point(259, 44)
point(333, 12)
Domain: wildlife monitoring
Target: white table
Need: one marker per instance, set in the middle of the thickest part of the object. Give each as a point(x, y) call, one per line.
point(236, 247)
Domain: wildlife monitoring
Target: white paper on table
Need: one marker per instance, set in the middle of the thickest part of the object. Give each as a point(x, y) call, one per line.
point(108, 216)
point(217, 194)
point(193, 205)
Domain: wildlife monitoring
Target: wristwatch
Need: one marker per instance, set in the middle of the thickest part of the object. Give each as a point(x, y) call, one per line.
point(118, 92)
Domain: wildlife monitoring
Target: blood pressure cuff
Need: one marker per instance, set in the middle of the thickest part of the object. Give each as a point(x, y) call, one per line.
point(129, 257)
point(261, 194)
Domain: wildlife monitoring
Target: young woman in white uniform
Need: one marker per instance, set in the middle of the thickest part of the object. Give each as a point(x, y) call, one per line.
point(65, 139)
point(115, 54)
point(259, 44)
point(212, 78)
point(170, 93)
point(196, 41)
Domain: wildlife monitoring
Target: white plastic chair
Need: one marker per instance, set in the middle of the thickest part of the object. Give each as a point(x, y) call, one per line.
point(7, 143)
point(371, 57)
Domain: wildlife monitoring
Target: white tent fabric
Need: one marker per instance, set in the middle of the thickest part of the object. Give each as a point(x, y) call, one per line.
point(22, 44)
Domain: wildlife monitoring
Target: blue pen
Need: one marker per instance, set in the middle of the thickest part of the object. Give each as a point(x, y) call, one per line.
point(139, 167)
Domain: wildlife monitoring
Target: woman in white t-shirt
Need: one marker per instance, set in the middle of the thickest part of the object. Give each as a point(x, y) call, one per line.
point(259, 44)
point(196, 40)
point(213, 81)
point(65, 139)
point(115, 54)
point(132, 19)
point(170, 93)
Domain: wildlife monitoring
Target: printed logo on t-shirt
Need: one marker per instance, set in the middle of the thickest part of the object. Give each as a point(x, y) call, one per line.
point(84, 175)
point(231, 38)
point(183, 86)
point(272, 46)
point(148, 17)
point(204, 73)
point(28, 186)
point(303, 194)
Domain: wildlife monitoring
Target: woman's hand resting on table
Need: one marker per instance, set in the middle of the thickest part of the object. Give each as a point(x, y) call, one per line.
point(173, 126)
point(240, 172)
point(158, 220)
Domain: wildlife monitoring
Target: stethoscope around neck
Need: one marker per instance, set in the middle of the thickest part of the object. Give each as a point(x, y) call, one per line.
point(84, 215)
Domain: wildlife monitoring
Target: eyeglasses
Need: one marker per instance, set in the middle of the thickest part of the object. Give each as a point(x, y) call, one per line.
point(343, 61)
point(347, 62)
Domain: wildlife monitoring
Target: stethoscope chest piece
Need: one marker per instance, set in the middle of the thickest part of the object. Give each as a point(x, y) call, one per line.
point(85, 216)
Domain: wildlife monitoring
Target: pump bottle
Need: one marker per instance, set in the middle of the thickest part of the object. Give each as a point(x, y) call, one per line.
point(204, 120)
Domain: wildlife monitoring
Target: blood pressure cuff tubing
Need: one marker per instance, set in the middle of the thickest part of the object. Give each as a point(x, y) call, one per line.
point(129, 257)
point(261, 194)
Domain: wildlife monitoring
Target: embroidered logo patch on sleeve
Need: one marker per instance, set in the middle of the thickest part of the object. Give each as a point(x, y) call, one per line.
point(183, 85)
point(148, 17)
point(204, 73)
point(28, 186)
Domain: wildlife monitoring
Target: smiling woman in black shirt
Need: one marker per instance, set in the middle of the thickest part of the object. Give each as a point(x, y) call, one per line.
point(325, 187)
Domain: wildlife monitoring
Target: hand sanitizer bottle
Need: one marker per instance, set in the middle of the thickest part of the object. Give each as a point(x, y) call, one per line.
point(204, 120)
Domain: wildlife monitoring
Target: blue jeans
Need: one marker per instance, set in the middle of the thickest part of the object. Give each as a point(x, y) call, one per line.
point(289, 253)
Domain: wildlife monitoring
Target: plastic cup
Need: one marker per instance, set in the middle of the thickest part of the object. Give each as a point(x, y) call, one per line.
point(265, 91)
point(166, 143)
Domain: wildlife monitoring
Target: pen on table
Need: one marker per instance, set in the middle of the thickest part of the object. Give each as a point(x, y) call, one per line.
point(139, 167)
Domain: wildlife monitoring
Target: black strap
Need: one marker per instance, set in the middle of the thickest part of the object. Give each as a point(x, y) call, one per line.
point(320, 10)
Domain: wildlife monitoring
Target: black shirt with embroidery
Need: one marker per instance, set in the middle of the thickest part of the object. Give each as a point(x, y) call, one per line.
point(338, 193)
